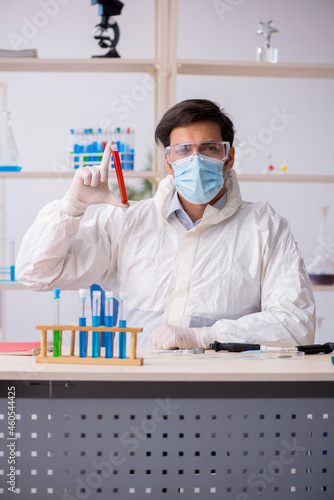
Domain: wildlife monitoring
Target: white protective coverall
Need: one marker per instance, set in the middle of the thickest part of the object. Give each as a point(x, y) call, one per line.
point(239, 270)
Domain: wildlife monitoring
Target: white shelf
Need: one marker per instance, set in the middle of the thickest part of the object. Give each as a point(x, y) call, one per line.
point(247, 68)
point(11, 285)
point(128, 174)
point(184, 67)
point(96, 65)
point(286, 178)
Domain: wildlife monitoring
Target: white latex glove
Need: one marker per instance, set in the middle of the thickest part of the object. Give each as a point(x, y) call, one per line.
point(169, 336)
point(90, 187)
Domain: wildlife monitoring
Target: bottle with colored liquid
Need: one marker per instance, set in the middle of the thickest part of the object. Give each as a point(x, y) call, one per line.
point(9, 156)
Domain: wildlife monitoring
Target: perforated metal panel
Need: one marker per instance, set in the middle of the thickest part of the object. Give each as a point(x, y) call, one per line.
point(170, 447)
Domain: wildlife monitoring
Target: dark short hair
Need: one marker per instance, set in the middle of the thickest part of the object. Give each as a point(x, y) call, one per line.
point(193, 111)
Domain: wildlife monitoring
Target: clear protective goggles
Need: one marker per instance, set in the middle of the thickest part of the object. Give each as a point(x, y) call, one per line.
point(211, 149)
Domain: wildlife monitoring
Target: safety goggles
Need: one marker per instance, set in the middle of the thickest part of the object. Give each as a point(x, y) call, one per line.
point(211, 149)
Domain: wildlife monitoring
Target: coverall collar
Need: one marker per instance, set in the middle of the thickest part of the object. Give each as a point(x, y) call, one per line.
point(212, 215)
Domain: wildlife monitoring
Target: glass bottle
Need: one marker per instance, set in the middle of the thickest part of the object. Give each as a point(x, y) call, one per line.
point(321, 266)
point(9, 156)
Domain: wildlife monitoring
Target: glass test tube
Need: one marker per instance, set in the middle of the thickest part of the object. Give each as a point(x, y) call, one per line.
point(82, 322)
point(12, 260)
point(56, 321)
point(96, 321)
point(122, 324)
point(119, 173)
point(109, 321)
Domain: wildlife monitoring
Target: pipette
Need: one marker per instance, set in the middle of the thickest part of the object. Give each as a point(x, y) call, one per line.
point(96, 321)
point(56, 321)
point(122, 324)
point(109, 321)
point(82, 322)
point(119, 173)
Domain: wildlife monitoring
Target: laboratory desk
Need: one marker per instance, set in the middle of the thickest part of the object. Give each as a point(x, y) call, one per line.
point(217, 425)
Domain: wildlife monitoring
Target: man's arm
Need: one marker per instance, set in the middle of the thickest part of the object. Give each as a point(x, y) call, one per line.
point(287, 314)
point(59, 251)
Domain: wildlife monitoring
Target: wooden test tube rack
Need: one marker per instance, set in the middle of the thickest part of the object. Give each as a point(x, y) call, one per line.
point(45, 357)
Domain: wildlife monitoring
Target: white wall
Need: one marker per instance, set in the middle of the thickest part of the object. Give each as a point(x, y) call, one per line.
point(45, 105)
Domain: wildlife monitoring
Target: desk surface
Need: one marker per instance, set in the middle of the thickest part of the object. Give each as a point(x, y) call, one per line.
point(211, 366)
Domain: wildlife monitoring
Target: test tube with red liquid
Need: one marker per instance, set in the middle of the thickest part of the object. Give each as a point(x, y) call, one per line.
point(119, 173)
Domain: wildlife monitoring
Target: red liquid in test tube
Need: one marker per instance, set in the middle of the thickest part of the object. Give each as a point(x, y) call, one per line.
point(119, 173)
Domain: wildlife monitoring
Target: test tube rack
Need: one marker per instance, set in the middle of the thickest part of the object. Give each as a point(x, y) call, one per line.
point(84, 159)
point(45, 357)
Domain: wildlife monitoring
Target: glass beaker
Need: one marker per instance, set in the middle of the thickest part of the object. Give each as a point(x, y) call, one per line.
point(321, 266)
point(9, 156)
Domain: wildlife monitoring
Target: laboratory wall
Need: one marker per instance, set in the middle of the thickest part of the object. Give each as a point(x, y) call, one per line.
point(278, 120)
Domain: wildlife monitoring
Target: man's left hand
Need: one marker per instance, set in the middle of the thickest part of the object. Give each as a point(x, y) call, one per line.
point(170, 336)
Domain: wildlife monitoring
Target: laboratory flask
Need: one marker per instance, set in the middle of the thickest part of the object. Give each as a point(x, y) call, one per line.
point(321, 267)
point(9, 156)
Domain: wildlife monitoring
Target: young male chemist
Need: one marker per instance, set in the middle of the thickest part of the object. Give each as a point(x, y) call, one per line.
point(198, 263)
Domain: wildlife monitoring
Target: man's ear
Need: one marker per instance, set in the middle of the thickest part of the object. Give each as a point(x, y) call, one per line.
point(230, 161)
point(169, 167)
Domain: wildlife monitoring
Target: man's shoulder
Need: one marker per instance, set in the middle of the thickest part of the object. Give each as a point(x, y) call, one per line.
point(262, 213)
point(261, 207)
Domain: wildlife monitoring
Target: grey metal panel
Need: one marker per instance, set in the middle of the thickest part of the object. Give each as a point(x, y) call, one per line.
point(240, 449)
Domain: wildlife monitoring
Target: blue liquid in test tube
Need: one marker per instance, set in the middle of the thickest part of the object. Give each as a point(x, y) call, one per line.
point(12, 260)
point(82, 322)
point(109, 321)
point(96, 321)
point(122, 324)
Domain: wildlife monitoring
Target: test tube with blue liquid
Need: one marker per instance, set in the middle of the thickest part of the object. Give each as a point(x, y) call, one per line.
point(122, 313)
point(109, 322)
point(82, 322)
point(12, 260)
point(56, 321)
point(96, 321)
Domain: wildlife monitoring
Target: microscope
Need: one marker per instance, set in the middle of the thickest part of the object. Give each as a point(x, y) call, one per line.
point(102, 31)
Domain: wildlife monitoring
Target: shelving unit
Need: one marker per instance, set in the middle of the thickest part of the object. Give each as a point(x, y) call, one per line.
point(165, 68)
point(157, 68)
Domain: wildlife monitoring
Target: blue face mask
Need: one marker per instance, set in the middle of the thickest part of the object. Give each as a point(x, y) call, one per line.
point(198, 178)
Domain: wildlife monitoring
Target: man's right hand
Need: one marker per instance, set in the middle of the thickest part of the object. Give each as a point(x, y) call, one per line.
point(90, 185)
